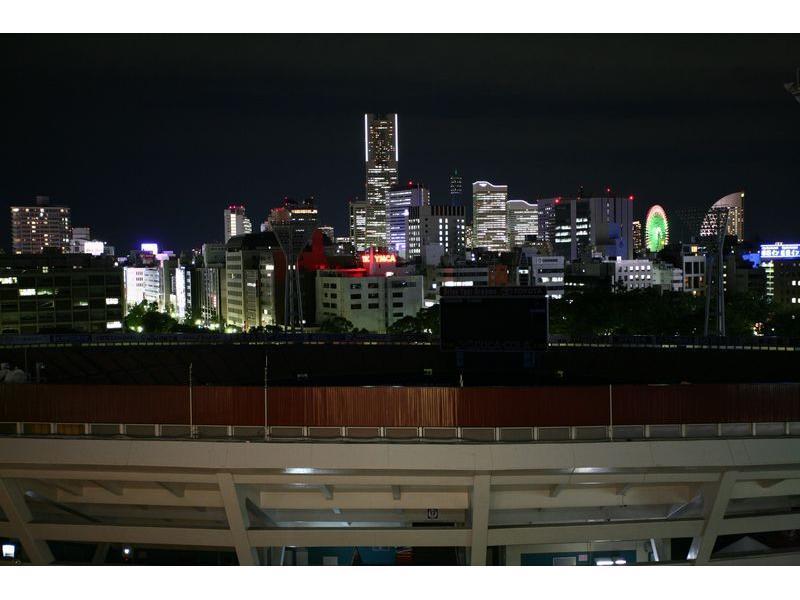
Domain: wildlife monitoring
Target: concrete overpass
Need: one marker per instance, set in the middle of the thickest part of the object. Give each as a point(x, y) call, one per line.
point(515, 498)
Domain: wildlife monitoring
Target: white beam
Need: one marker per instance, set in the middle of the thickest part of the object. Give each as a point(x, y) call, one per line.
point(359, 537)
point(479, 510)
point(114, 534)
point(305, 499)
point(760, 523)
point(238, 519)
point(552, 534)
point(12, 500)
point(715, 503)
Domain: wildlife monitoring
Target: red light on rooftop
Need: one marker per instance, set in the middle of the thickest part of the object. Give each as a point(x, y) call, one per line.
point(630, 197)
point(608, 190)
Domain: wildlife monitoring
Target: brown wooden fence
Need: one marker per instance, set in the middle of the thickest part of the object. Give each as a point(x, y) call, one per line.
point(402, 406)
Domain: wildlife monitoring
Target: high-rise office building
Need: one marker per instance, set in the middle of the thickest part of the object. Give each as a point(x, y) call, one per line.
point(398, 202)
point(522, 219)
point(637, 237)
point(489, 216)
point(381, 156)
point(436, 225)
point(358, 224)
point(731, 205)
point(35, 228)
point(249, 290)
point(601, 226)
point(236, 222)
point(456, 187)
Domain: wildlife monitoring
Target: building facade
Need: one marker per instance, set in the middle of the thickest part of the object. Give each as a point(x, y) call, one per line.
point(250, 281)
point(729, 209)
point(542, 271)
point(399, 201)
point(60, 294)
point(456, 188)
point(40, 227)
point(381, 155)
point(522, 220)
point(358, 224)
point(489, 216)
point(436, 225)
point(599, 226)
point(371, 297)
point(236, 222)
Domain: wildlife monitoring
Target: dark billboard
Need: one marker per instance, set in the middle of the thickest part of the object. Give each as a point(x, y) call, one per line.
point(494, 318)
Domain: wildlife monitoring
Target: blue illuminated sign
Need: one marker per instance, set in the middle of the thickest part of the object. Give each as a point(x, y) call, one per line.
point(780, 251)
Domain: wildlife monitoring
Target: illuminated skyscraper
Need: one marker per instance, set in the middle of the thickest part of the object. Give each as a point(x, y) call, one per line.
point(489, 216)
point(456, 187)
point(398, 201)
point(638, 240)
point(733, 205)
point(34, 228)
point(236, 223)
point(381, 156)
point(358, 224)
point(522, 219)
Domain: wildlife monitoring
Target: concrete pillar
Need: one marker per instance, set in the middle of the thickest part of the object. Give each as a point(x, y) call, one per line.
point(12, 500)
point(238, 520)
point(479, 509)
point(715, 502)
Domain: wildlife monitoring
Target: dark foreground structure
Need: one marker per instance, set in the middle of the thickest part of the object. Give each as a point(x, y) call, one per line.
point(335, 452)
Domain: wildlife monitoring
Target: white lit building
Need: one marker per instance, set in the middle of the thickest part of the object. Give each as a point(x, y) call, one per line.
point(34, 228)
point(399, 201)
point(731, 205)
point(538, 270)
point(522, 219)
point(442, 226)
point(489, 216)
point(371, 297)
point(381, 155)
point(358, 224)
point(633, 274)
point(236, 222)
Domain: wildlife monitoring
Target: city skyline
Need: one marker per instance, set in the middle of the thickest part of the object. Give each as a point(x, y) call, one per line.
point(182, 175)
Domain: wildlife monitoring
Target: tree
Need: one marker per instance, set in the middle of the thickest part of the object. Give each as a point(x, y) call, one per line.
point(407, 324)
point(336, 325)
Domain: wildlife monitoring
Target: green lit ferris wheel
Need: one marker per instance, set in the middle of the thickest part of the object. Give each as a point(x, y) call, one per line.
point(656, 229)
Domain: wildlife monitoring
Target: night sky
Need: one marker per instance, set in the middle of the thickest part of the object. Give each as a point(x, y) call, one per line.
point(150, 137)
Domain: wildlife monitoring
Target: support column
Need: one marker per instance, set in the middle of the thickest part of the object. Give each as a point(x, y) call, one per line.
point(238, 520)
point(12, 499)
point(661, 549)
point(479, 505)
point(715, 502)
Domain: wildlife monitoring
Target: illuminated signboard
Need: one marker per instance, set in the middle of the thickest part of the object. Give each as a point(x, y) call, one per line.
point(149, 247)
point(379, 258)
point(780, 251)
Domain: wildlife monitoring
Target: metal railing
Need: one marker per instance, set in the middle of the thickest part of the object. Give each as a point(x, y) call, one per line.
point(593, 433)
